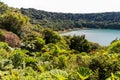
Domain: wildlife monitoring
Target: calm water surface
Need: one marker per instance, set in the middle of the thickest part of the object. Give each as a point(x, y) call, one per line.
point(101, 36)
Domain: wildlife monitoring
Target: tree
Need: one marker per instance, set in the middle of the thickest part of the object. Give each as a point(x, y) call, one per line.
point(13, 21)
point(3, 7)
point(51, 36)
point(80, 43)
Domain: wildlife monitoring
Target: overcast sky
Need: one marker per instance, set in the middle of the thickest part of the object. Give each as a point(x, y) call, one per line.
point(68, 6)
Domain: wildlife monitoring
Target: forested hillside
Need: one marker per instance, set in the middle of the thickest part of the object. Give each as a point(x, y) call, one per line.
point(61, 21)
point(33, 52)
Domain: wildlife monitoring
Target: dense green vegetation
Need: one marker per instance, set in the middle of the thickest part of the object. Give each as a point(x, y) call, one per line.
point(32, 52)
point(63, 21)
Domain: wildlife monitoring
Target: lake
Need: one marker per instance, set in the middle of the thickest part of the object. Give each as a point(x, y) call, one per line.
point(102, 36)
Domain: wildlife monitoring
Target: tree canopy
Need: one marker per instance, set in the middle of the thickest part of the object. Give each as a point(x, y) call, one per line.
point(62, 21)
point(13, 21)
point(3, 7)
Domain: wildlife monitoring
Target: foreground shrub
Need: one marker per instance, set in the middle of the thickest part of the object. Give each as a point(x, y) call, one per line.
point(54, 74)
point(104, 64)
point(114, 47)
point(18, 58)
point(84, 73)
point(5, 46)
point(6, 64)
point(34, 44)
point(51, 49)
point(60, 62)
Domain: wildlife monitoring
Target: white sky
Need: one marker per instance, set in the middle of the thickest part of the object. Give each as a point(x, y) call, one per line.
point(68, 6)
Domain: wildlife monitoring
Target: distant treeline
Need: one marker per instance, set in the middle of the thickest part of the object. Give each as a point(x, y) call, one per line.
point(61, 21)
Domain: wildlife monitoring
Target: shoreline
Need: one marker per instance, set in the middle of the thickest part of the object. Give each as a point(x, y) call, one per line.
point(69, 30)
point(76, 29)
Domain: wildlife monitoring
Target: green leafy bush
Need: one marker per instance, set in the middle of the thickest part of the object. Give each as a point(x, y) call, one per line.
point(34, 44)
point(84, 73)
point(60, 62)
point(52, 49)
point(18, 58)
point(80, 44)
point(6, 64)
point(114, 47)
point(51, 36)
point(5, 46)
point(3, 7)
point(104, 65)
point(55, 74)
point(13, 21)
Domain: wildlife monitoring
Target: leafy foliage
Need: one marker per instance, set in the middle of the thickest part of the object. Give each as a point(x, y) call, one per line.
point(45, 55)
point(34, 44)
point(84, 73)
point(5, 46)
point(51, 36)
point(80, 43)
point(18, 58)
point(13, 21)
point(3, 7)
point(115, 47)
point(63, 21)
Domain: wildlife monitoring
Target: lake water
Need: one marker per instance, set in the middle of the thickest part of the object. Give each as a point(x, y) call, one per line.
point(102, 36)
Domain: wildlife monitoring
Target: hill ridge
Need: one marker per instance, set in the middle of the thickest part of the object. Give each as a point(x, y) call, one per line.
point(61, 21)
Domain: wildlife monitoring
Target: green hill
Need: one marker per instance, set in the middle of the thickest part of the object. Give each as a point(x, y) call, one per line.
point(61, 21)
